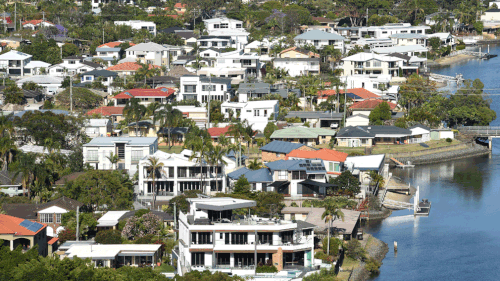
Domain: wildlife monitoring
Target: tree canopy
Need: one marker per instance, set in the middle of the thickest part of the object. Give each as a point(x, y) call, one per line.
point(380, 113)
point(83, 99)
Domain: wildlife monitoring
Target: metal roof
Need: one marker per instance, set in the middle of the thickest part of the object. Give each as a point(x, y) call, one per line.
point(131, 141)
point(318, 35)
point(261, 175)
point(314, 114)
point(281, 146)
point(302, 133)
point(310, 166)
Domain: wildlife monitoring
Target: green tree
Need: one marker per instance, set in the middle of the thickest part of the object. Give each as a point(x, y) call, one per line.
point(134, 112)
point(255, 164)
point(269, 203)
point(87, 223)
point(70, 49)
point(113, 158)
point(435, 43)
point(154, 169)
point(168, 38)
point(332, 212)
point(479, 26)
point(269, 130)
point(380, 114)
point(354, 250)
point(32, 86)
point(111, 236)
point(242, 187)
point(83, 99)
point(347, 182)
point(14, 95)
point(181, 202)
point(323, 275)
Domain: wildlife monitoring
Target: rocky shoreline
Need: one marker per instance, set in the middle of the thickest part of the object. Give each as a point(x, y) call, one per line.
point(378, 250)
point(474, 150)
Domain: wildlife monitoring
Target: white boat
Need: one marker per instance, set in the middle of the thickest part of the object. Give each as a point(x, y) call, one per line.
point(469, 41)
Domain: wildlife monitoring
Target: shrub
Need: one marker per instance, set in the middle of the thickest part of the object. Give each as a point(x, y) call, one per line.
point(266, 269)
point(334, 245)
point(108, 237)
point(144, 239)
point(141, 212)
point(460, 47)
point(323, 256)
point(372, 265)
point(294, 204)
point(354, 250)
point(67, 235)
point(356, 153)
point(448, 140)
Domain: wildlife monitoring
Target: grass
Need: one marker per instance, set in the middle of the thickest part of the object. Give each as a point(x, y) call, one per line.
point(165, 268)
point(343, 275)
point(173, 149)
point(350, 264)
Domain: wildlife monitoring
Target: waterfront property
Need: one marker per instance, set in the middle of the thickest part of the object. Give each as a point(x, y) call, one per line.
point(333, 160)
point(212, 238)
point(277, 150)
point(304, 135)
point(259, 179)
point(362, 166)
point(367, 136)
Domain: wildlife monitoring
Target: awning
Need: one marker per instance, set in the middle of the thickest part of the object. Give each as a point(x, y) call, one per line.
point(279, 184)
point(316, 183)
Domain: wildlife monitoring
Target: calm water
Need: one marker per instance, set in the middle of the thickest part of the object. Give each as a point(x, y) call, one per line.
point(460, 240)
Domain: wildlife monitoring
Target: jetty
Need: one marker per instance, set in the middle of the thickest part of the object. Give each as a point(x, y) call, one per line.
point(401, 165)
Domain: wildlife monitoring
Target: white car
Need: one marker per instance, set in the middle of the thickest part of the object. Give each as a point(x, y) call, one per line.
point(334, 126)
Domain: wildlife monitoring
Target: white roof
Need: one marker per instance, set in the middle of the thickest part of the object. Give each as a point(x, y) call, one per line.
point(220, 203)
point(147, 47)
point(371, 56)
point(399, 49)
point(41, 149)
point(110, 251)
point(358, 115)
point(215, 20)
point(251, 104)
point(97, 122)
point(228, 32)
point(367, 162)
point(14, 55)
point(111, 218)
point(440, 35)
point(41, 79)
point(37, 63)
point(130, 141)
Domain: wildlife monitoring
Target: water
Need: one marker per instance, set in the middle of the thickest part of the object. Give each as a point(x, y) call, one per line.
point(460, 240)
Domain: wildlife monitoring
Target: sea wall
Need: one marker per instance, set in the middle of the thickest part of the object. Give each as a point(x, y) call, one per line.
point(438, 157)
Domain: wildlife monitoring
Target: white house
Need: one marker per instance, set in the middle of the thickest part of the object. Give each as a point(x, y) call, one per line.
point(215, 42)
point(447, 39)
point(148, 53)
point(371, 63)
point(332, 159)
point(36, 24)
point(404, 39)
point(420, 133)
point(210, 53)
point(298, 66)
point(106, 77)
point(130, 150)
point(377, 84)
point(179, 174)
point(385, 31)
point(51, 85)
point(139, 24)
point(107, 54)
point(235, 65)
point(98, 128)
point(491, 15)
point(320, 39)
point(212, 238)
point(193, 87)
point(357, 120)
point(198, 114)
point(229, 28)
point(97, 4)
point(72, 65)
point(257, 113)
point(14, 62)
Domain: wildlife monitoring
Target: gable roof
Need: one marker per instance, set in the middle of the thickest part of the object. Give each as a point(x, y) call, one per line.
point(301, 132)
point(147, 47)
point(419, 126)
point(36, 22)
point(101, 73)
point(25, 211)
point(6, 178)
point(318, 35)
point(62, 202)
point(310, 166)
point(323, 154)
point(372, 131)
point(114, 44)
point(370, 56)
point(370, 104)
point(107, 110)
point(158, 92)
point(14, 225)
point(128, 66)
point(278, 146)
point(300, 50)
point(216, 132)
point(360, 92)
point(260, 175)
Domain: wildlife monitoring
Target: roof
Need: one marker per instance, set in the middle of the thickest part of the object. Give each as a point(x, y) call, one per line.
point(360, 92)
point(40, 79)
point(310, 166)
point(372, 131)
point(370, 56)
point(408, 36)
point(163, 80)
point(316, 183)
point(366, 162)
point(24, 211)
point(158, 92)
point(6, 178)
point(314, 217)
point(296, 59)
point(14, 55)
point(278, 146)
point(36, 22)
point(130, 141)
point(221, 203)
point(216, 132)
point(263, 88)
point(301, 132)
point(101, 73)
point(318, 35)
point(107, 110)
point(111, 218)
point(399, 49)
point(180, 5)
point(323, 154)
point(53, 240)
point(128, 66)
point(401, 56)
point(62, 202)
point(176, 130)
point(104, 49)
point(68, 178)
point(300, 50)
point(19, 226)
point(370, 104)
point(314, 114)
point(261, 175)
point(109, 251)
point(419, 126)
point(114, 44)
point(148, 47)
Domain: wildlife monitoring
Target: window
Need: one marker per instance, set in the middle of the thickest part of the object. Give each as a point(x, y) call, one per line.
point(364, 141)
point(216, 25)
point(286, 236)
point(47, 218)
point(307, 232)
point(266, 238)
point(377, 63)
point(222, 87)
point(337, 167)
point(224, 25)
point(282, 175)
point(265, 112)
point(239, 238)
point(88, 78)
point(221, 236)
point(198, 259)
point(331, 42)
point(367, 64)
point(384, 32)
point(247, 62)
point(92, 155)
point(207, 88)
point(136, 155)
point(316, 42)
point(190, 88)
point(238, 25)
point(214, 44)
point(203, 44)
point(72, 62)
point(58, 218)
point(256, 112)
point(330, 167)
point(299, 175)
point(203, 238)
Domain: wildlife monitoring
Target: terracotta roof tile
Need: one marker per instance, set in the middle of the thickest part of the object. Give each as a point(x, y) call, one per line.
point(114, 44)
point(11, 225)
point(158, 92)
point(323, 154)
point(360, 92)
point(35, 22)
point(128, 66)
point(52, 241)
point(216, 132)
point(370, 104)
point(180, 5)
point(107, 110)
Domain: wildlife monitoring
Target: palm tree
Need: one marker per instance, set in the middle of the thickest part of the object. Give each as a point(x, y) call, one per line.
point(216, 157)
point(331, 213)
point(134, 111)
point(249, 133)
point(223, 141)
point(113, 158)
point(201, 147)
point(255, 165)
point(25, 167)
point(153, 167)
point(236, 130)
point(7, 149)
point(168, 118)
point(146, 71)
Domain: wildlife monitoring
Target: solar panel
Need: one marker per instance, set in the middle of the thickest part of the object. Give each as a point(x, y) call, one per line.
point(25, 223)
point(32, 226)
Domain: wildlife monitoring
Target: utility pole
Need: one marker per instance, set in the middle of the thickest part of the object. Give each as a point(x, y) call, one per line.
point(77, 223)
point(345, 102)
point(366, 25)
point(175, 220)
point(103, 34)
point(15, 16)
point(209, 89)
point(71, 93)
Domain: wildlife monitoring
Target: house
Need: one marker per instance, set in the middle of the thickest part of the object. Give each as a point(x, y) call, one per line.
point(130, 150)
point(228, 28)
point(38, 149)
point(110, 220)
point(371, 63)
point(216, 132)
point(180, 173)
point(346, 229)
point(491, 15)
point(235, 65)
point(248, 91)
point(177, 134)
point(114, 112)
point(148, 53)
point(180, 8)
point(17, 232)
point(108, 54)
point(128, 68)
point(410, 50)
point(373, 43)
point(51, 85)
point(145, 96)
point(198, 88)
point(304, 135)
point(71, 66)
point(103, 76)
point(320, 39)
point(15, 62)
point(318, 119)
point(29, 96)
point(117, 255)
point(420, 133)
point(258, 179)
point(277, 150)
point(215, 42)
point(299, 178)
point(49, 214)
point(385, 31)
point(404, 39)
point(98, 128)
point(139, 24)
point(439, 134)
point(357, 120)
point(198, 114)
point(9, 185)
point(212, 238)
point(447, 39)
point(333, 160)
point(256, 113)
point(324, 21)
point(368, 136)
point(376, 84)
point(361, 166)
point(295, 52)
point(365, 107)
point(37, 24)
point(354, 94)
point(298, 66)
point(97, 4)
point(146, 128)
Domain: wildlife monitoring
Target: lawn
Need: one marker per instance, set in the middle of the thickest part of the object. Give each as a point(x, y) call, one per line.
point(173, 149)
point(350, 264)
point(165, 268)
point(343, 275)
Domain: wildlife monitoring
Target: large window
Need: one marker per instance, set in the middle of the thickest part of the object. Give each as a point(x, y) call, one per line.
point(287, 236)
point(58, 218)
point(47, 218)
point(203, 238)
point(265, 238)
point(377, 63)
point(207, 88)
point(190, 88)
point(282, 175)
point(239, 238)
point(92, 155)
point(198, 259)
point(299, 175)
point(136, 155)
point(224, 25)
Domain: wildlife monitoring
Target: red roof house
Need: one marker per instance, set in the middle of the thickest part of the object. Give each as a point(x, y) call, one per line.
point(128, 68)
point(369, 105)
point(360, 92)
point(217, 132)
point(114, 44)
point(332, 158)
point(22, 232)
point(146, 95)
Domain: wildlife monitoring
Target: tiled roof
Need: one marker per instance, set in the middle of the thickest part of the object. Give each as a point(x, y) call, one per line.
point(281, 146)
point(11, 225)
point(53, 240)
point(62, 202)
point(159, 92)
point(128, 66)
point(114, 44)
point(323, 154)
point(360, 92)
point(302, 51)
point(216, 132)
point(261, 175)
point(370, 104)
point(107, 110)
point(180, 5)
point(35, 22)
point(25, 211)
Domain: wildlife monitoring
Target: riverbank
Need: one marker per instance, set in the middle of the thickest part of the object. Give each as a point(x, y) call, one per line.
point(438, 157)
point(445, 61)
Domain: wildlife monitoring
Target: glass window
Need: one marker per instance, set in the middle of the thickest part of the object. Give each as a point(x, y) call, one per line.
point(216, 25)
point(198, 259)
point(58, 218)
point(282, 175)
point(136, 155)
point(330, 167)
point(47, 218)
point(239, 238)
point(238, 25)
point(92, 155)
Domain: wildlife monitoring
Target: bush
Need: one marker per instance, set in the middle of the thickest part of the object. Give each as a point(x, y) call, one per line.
point(141, 212)
point(373, 266)
point(448, 140)
point(334, 245)
point(356, 153)
point(67, 235)
point(144, 239)
point(323, 256)
point(266, 269)
point(294, 204)
point(111, 236)
point(460, 47)
point(354, 250)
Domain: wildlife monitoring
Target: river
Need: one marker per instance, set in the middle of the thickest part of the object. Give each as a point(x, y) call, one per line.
point(460, 240)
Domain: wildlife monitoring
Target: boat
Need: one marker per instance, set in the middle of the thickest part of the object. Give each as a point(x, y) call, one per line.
point(424, 208)
point(469, 41)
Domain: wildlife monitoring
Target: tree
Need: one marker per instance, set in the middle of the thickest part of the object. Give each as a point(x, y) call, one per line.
point(168, 38)
point(24, 166)
point(87, 223)
point(69, 49)
point(323, 275)
point(32, 86)
point(435, 43)
point(242, 187)
point(331, 213)
point(380, 114)
point(216, 157)
point(67, 235)
point(113, 158)
point(83, 99)
point(181, 202)
point(331, 246)
point(136, 227)
point(146, 71)
point(269, 130)
point(201, 147)
point(269, 203)
point(348, 182)
point(14, 95)
point(255, 164)
point(479, 26)
point(134, 111)
point(354, 250)
point(111, 236)
point(154, 168)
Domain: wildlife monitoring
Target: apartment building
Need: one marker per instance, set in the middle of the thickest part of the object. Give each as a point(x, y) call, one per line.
point(235, 65)
point(212, 238)
point(139, 24)
point(371, 63)
point(198, 88)
point(256, 113)
point(130, 150)
point(385, 31)
point(229, 28)
point(180, 173)
point(405, 39)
